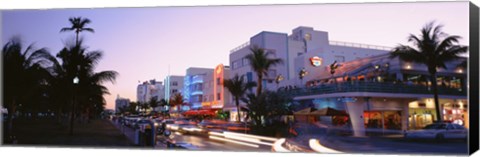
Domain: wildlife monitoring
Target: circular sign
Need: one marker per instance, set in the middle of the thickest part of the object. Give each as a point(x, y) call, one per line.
point(316, 61)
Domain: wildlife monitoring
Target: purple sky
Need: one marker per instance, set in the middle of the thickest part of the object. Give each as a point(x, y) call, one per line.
point(141, 43)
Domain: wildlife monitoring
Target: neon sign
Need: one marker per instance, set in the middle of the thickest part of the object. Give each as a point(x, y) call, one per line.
point(316, 61)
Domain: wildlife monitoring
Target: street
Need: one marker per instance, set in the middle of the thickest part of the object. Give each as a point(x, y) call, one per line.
point(197, 142)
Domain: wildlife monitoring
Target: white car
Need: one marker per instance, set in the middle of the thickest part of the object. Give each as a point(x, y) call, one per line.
point(439, 131)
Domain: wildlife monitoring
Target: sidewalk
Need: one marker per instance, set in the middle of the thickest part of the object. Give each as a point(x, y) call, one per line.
point(46, 132)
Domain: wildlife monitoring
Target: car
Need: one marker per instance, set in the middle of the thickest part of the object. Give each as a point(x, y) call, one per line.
point(439, 131)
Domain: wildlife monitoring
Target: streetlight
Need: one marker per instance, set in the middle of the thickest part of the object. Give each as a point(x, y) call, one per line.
point(76, 80)
point(302, 74)
point(278, 79)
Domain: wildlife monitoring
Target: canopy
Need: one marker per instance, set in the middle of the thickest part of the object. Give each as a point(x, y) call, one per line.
point(309, 111)
point(328, 112)
point(199, 112)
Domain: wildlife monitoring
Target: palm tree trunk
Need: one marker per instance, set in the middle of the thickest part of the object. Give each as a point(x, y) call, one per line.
point(76, 38)
point(238, 108)
point(11, 112)
point(433, 78)
point(259, 81)
point(72, 117)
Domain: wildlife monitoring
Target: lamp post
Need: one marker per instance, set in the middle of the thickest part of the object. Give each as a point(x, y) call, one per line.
point(278, 79)
point(76, 80)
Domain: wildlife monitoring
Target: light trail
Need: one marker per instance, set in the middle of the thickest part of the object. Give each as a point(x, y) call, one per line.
point(316, 146)
point(277, 146)
point(251, 136)
point(232, 141)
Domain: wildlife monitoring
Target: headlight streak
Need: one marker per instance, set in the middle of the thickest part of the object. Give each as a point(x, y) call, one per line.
point(251, 136)
point(277, 146)
point(316, 146)
point(232, 141)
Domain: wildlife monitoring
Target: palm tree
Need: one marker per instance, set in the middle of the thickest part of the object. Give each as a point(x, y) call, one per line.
point(176, 100)
point(163, 103)
point(260, 63)
point(237, 88)
point(153, 103)
point(132, 107)
point(78, 62)
point(78, 25)
point(22, 73)
point(433, 48)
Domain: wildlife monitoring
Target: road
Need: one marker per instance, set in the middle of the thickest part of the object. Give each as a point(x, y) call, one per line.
point(199, 142)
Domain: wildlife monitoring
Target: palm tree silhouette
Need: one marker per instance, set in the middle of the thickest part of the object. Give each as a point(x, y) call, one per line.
point(260, 63)
point(24, 70)
point(237, 88)
point(78, 25)
point(153, 103)
point(432, 48)
point(176, 100)
point(77, 61)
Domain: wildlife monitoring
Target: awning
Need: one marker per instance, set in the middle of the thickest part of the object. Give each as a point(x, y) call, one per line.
point(309, 111)
point(328, 112)
point(199, 112)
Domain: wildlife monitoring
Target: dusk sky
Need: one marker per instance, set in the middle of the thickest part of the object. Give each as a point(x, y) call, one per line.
point(142, 43)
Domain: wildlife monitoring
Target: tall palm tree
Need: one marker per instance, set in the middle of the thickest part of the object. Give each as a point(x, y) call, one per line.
point(22, 69)
point(78, 62)
point(78, 25)
point(132, 107)
point(432, 48)
point(261, 63)
point(163, 103)
point(237, 88)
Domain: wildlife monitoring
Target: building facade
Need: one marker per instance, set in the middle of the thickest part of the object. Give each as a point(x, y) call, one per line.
point(150, 89)
point(173, 85)
point(193, 86)
point(120, 103)
point(380, 93)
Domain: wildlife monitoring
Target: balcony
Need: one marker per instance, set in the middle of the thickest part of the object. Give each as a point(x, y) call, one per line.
point(373, 87)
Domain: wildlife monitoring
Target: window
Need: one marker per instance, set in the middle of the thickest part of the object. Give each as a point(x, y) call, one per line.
point(237, 63)
point(219, 81)
point(174, 83)
point(245, 61)
point(219, 96)
point(299, 53)
point(249, 77)
point(174, 90)
point(340, 58)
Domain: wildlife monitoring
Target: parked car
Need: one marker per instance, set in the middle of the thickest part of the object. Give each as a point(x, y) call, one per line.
point(439, 131)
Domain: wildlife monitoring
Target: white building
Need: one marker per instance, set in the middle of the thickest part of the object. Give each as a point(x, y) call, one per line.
point(149, 89)
point(296, 51)
point(121, 102)
point(173, 84)
point(193, 86)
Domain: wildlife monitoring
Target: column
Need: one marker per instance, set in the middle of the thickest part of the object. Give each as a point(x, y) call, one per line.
point(355, 110)
point(405, 115)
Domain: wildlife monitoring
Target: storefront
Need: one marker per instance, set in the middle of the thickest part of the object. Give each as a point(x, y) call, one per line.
point(383, 120)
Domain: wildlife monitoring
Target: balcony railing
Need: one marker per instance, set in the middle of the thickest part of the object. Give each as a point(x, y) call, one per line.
point(240, 47)
point(375, 87)
point(367, 46)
